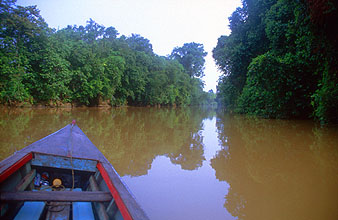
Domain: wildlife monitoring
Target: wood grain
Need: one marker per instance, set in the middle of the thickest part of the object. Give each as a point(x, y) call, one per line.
point(57, 196)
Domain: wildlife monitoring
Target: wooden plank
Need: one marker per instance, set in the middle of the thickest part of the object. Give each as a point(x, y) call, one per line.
point(25, 169)
point(100, 209)
point(111, 208)
point(30, 210)
point(26, 181)
point(56, 196)
point(58, 144)
point(119, 202)
point(125, 201)
point(45, 160)
point(10, 183)
point(17, 165)
point(93, 184)
point(82, 210)
point(9, 186)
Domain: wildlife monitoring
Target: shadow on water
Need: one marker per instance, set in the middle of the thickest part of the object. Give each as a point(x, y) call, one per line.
point(277, 169)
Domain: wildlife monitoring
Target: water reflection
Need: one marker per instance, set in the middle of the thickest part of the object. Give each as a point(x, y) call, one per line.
point(191, 154)
point(129, 137)
point(139, 136)
point(277, 169)
point(21, 127)
point(180, 168)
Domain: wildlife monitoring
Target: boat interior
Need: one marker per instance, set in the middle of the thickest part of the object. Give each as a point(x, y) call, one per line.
point(42, 186)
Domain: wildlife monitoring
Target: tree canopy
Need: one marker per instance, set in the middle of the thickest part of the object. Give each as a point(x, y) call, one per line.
point(280, 60)
point(191, 56)
point(90, 65)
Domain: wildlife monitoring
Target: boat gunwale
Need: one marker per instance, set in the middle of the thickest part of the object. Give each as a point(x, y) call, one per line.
point(132, 210)
point(12, 168)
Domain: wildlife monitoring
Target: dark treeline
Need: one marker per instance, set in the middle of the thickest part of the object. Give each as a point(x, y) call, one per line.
point(280, 60)
point(91, 65)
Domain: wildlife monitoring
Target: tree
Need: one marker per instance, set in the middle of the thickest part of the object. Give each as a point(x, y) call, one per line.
point(139, 43)
point(23, 33)
point(88, 65)
point(276, 63)
point(191, 56)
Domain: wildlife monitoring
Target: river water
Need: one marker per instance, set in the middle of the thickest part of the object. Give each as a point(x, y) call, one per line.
point(189, 163)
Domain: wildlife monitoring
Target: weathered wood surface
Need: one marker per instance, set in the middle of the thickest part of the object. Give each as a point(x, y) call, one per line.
point(26, 181)
point(56, 196)
point(100, 209)
point(13, 164)
point(82, 210)
point(65, 142)
point(45, 160)
point(31, 211)
point(127, 197)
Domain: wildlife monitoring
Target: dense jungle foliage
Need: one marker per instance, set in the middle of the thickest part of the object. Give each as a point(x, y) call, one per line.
point(280, 60)
point(91, 65)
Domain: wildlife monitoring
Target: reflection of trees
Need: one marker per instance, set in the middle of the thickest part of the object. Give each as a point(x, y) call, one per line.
point(21, 127)
point(190, 154)
point(140, 134)
point(277, 169)
point(129, 137)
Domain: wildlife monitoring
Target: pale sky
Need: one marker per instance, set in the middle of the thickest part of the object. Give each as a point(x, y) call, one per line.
point(166, 23)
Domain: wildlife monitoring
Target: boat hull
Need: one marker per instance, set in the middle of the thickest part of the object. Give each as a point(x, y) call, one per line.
point(69, 159)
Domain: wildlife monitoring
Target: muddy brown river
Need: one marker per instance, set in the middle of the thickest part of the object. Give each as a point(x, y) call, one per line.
point(192, 163)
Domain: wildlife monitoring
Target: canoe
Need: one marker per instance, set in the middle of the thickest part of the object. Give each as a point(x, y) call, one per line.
point(64, 176)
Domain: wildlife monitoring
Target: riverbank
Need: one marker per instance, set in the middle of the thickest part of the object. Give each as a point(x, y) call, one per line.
point(69, 105)
point(53, 104)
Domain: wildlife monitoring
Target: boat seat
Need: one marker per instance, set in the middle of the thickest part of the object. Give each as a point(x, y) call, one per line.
point(30, 210)
point(82, 210)
point(57, 196)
